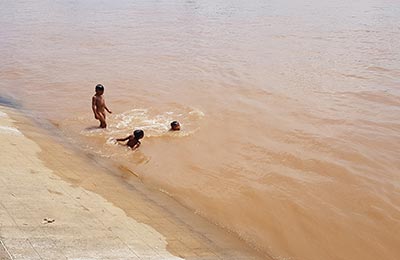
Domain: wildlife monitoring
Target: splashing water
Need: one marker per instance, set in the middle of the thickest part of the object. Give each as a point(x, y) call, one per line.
point(153, 123)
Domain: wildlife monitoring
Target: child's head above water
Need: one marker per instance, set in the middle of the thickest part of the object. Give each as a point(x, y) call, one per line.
point(99, 88)
point(175, 126)
point(138, 134)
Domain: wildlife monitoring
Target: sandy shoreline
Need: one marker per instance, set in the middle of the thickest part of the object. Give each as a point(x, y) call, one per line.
point(98, 213)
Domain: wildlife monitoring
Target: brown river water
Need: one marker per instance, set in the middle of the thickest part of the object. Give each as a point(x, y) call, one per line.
point(290, 110)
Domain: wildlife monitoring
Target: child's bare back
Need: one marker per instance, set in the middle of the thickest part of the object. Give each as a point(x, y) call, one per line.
point(133, 140)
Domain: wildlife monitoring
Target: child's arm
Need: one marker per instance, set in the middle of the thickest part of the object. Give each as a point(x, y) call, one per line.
point(123, 139)
point(108, 110)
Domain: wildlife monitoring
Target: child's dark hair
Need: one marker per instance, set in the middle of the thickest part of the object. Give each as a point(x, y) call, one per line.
point(138, 134)
point(174, 123)
point(99, 87)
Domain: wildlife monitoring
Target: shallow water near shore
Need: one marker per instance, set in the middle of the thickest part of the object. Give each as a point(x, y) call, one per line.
point(161, 223)
point(290, 110)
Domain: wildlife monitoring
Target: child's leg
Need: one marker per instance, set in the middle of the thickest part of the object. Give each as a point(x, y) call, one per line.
point(102, 120)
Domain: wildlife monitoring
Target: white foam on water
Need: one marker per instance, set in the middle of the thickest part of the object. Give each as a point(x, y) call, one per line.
point(156, 125)
point(197, 113)
point(152, 122)
point(112, 141)
point(2, 114)
point(9, 130)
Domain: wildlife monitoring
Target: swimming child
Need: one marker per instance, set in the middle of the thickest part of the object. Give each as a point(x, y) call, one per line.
point(133, 140)
point(99, 106)
point(175, 126)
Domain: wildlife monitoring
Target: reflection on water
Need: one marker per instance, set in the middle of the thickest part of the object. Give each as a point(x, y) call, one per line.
point(290, 109)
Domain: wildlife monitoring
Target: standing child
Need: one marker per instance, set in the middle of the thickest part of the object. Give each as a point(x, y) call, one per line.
point(133, 140)
point(99, 106)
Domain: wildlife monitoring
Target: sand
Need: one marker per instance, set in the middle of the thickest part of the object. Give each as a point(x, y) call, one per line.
point(58, 204)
